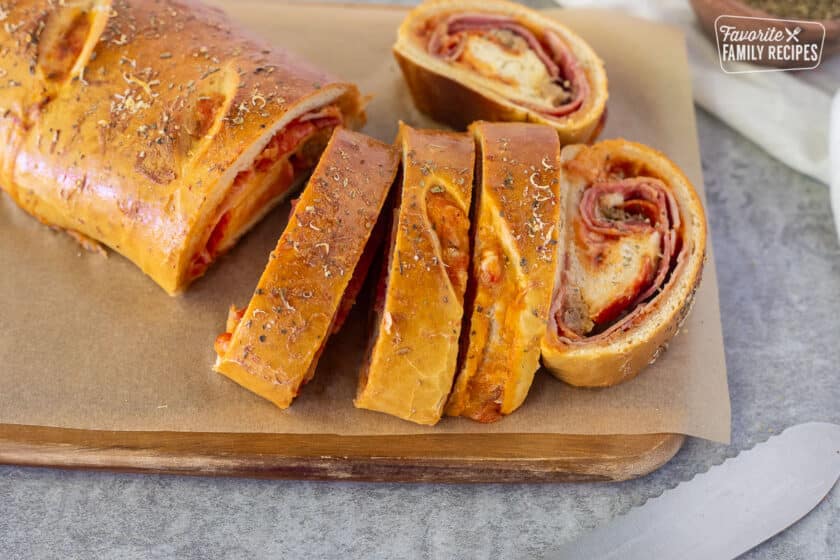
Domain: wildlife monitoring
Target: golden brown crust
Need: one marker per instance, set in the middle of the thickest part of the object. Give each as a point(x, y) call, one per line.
point(44, 45)
point(28, 76)
point(447, 94)
point(140, 149)
point(276, 344)
point(514, 259)
point(620, 356)
point(414, 349)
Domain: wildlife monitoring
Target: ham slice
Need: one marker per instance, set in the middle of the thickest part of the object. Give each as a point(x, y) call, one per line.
point(635, 220)
point(447, 42)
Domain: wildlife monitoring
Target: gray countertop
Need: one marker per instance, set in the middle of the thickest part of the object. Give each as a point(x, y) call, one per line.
point(779, 269)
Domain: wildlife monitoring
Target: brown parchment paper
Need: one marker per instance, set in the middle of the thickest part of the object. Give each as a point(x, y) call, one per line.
point(89, 342)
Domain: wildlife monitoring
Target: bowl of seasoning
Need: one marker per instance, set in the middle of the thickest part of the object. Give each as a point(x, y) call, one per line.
point(825, 12)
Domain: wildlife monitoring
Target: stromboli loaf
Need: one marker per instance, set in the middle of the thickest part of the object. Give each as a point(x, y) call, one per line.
point(514, 259)
point(635, 243)
point(312, 277)
point(413, 351)
point(165, 133)
point(467, 60)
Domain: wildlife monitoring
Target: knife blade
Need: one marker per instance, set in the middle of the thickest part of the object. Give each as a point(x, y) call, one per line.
point(729, 509)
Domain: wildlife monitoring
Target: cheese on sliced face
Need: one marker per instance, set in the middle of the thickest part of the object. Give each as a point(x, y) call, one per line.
point(516, 73)
point(521, 69)
point(615, 272)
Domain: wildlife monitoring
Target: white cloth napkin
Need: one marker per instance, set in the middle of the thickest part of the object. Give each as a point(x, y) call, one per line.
point(789, 114)
point(834, 155)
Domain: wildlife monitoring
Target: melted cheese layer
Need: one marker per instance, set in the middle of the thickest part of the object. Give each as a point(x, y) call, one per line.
point(607, 274)
point(515, 73)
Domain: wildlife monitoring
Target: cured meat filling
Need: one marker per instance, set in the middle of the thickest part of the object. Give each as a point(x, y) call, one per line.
point(534, 69)
point(624, 242)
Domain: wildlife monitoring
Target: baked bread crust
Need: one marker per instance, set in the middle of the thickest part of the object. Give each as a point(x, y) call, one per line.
point(454, 96)
point(514, 261)
point(622, 351)
point(273, 346)
point(413, 351)
point(138, 147)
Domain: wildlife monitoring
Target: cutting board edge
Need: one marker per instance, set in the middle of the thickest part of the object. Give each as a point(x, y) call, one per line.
point(451, 458)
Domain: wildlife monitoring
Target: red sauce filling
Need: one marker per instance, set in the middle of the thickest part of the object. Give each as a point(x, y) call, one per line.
point(58, 59)
point(285, 142)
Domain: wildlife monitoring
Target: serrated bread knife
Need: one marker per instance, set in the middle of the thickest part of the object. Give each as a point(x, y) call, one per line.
point(729, 509)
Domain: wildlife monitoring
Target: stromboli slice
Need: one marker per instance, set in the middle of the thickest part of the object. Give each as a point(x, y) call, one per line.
point(414, 347)
point(635, 246)
point(272, 347)
point(467, 60)
point(177, 134)
point(513, 267)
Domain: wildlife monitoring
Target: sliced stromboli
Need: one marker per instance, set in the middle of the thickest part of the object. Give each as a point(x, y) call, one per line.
point(466, 60)
point(176, 133)
point(514, 261)
point(634, 251)
point(272, 347)
point(414, 348)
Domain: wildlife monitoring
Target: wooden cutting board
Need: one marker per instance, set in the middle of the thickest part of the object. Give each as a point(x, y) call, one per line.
point(431, 456)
